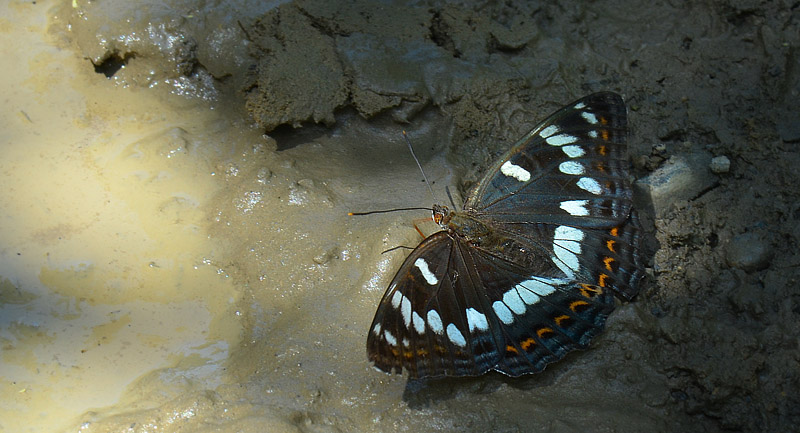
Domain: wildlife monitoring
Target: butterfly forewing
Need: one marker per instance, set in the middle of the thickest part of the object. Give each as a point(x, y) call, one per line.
point(571, 169)
point(527, 272)
point(408, 330)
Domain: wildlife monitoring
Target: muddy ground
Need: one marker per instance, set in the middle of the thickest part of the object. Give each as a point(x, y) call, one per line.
point(710, 344)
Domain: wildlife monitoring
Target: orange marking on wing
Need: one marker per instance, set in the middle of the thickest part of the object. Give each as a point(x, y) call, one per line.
point(589, 291)
point(608, 261)
point(511, 349)
point(603, 120)
point(561, 318)
point(604, 133)
point(601, 280)
point(575, 304)
point(610, 245)
point(614, 232)
point(541, 332)
point(599, 166)
point(527, 343)
point(602, 150)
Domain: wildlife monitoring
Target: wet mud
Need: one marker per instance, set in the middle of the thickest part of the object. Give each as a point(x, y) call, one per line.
point(715, 330)
point(710, 343)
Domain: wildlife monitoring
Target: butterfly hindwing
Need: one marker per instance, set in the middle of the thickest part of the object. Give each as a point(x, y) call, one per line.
point(479, 313)
point(534, 319)
point(608, 258)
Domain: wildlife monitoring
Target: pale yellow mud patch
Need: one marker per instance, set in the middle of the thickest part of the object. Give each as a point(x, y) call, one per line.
point(106, 268)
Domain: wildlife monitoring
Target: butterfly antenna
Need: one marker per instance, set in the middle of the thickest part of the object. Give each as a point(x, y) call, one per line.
point(447, 190)
point(411, 149)
point(388, 210)
point(397, 248)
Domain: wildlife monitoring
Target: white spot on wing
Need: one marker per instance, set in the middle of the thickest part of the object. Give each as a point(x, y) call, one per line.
point(389, 338)
point(528, 296)
point(514, 302)
point(593, 134)
point(567, 263)
point(590, 185)
point(502, 312)
point(550, 130)
point(571, 167)
point(476, 320)
point(455, 336)
point(590, 117)
point(396, 298)
point(535, 289)
point(422, 265)
point(405, 310)
point(405, 342)
point(575, 207)
point(566, 246)
point(419, 324)
point(568, 238)
point(561, 139)
point(580, 106)
point(573, 151)
point(377, 329)
point(435, 322)
point(512, 170)
point(567, 233)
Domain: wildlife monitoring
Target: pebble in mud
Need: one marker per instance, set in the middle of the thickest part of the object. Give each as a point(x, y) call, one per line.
point(749, 252)
point(720, 164)
point(679, 178)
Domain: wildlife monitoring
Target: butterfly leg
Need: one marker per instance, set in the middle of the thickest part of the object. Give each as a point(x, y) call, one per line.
point(419, 221)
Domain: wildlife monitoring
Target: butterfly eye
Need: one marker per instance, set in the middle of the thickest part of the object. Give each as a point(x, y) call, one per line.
point(441, 214)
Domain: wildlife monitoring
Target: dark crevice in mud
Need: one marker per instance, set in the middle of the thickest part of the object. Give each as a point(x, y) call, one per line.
point(328, 27)
point(288, 137)
point(440, 34)
point(113, 63)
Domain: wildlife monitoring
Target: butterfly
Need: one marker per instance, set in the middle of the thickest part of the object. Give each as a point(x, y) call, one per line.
point(528, 269)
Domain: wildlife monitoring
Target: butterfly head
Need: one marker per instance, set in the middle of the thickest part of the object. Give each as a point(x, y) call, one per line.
point(441, 215)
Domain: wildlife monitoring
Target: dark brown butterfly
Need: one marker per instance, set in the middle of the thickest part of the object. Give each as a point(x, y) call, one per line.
point(527, 270)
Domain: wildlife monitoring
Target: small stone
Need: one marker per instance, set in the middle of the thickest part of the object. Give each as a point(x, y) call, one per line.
point(720, 164)
point(748, 252)
point(682, 177)
point(264, 175)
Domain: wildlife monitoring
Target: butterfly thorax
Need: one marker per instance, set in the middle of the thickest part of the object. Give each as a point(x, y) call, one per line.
point(464, 225)
point(478, 234)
